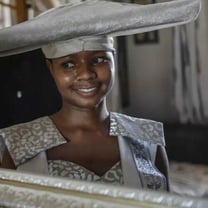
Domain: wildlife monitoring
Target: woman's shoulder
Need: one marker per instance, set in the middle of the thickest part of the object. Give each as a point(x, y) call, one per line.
point(138, 128)
point(25, 140)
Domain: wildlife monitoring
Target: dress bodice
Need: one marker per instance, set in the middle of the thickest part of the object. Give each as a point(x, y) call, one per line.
point(74, 171)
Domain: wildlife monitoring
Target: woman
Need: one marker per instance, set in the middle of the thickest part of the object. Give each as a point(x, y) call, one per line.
point(83, 140)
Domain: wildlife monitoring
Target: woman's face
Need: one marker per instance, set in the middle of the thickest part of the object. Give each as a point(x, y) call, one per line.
point(85, 78)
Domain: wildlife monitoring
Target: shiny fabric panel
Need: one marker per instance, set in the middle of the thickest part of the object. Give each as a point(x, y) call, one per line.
point(95, 18)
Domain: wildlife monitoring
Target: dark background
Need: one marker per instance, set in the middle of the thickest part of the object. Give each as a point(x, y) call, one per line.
point(26, 73)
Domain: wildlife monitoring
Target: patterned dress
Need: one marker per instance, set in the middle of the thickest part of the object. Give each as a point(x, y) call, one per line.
point(28, 142)
point(77, 172)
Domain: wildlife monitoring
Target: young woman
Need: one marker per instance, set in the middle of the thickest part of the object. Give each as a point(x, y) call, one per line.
point(83, 140)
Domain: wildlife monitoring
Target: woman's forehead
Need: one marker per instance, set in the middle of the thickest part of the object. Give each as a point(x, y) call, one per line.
point(84, 54)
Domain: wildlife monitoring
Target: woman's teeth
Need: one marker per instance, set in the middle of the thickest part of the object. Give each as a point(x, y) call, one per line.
point(87, 89)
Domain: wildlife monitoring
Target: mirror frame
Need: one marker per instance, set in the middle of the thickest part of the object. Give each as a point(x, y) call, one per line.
point(19, 189)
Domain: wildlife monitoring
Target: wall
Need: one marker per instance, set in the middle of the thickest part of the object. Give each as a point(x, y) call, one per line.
point(151, 78)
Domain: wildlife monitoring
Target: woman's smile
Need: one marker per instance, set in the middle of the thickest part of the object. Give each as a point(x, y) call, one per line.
point(87, 91)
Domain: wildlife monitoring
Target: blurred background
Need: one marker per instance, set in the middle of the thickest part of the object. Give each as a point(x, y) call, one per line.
point(161, 75)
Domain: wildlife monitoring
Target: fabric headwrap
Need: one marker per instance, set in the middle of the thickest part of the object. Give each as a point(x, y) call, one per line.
point(67, 47)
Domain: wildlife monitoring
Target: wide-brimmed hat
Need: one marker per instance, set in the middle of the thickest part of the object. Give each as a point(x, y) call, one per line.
point(94, 18)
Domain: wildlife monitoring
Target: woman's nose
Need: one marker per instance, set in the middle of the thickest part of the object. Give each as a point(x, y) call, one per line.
point(86, 72)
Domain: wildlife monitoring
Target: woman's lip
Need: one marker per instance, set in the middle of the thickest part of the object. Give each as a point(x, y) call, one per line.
point(87, 90)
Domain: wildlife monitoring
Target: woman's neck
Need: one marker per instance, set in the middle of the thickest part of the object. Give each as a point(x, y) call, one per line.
point(91, 119)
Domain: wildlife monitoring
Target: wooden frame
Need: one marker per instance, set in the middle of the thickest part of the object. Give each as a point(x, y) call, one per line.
point(20, 8)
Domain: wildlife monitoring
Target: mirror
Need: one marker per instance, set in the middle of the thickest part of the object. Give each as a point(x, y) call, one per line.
point(24, 81)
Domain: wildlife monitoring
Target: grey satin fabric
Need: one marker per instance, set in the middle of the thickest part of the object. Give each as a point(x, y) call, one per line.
point(130, 174)
point(94, 18)
point(38, 164)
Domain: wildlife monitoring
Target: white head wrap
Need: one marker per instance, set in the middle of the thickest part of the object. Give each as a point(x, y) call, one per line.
point(67, 47)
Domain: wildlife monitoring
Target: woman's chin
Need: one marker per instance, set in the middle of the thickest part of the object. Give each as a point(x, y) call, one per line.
point(88, 105)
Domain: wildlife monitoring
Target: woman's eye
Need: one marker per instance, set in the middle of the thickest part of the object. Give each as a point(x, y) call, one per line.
point(68, 65)
point(100, 60)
